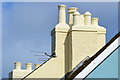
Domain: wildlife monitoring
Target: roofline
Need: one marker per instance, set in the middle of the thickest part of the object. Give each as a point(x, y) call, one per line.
point(35, 69)
point(73, 75)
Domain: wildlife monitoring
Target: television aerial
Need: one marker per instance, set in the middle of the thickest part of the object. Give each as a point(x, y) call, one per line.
point(44, 56)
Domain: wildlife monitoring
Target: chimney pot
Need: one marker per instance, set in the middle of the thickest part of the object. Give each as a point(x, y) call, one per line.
point(94, 21)
point(87, 18)
point(76, 18)
point(18, 65)
point(70, 15)
point(62, 14)
point(28, 66)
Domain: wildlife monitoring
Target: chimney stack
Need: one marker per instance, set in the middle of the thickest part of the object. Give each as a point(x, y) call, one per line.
point(62, 14)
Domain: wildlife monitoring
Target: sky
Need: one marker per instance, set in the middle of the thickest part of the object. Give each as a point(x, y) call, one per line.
point(26, 26)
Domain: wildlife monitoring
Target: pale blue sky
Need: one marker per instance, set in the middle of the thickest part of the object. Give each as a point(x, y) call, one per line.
point(27, 26)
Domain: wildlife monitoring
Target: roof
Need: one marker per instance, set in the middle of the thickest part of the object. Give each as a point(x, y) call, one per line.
point(85, 69)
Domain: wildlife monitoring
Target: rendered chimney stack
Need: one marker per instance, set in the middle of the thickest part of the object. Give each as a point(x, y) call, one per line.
point(76, 18)
point(62, 14)
point(36, 65)
point(18, 65)
point(87, 18)
point(28, 66)
point(94, 21)
point(70, 15)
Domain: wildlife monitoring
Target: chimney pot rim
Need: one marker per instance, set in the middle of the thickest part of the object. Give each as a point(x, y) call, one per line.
point(17, 63)
point(94, 18)
point(28, 63)
point(72, 8)
point(62, 5)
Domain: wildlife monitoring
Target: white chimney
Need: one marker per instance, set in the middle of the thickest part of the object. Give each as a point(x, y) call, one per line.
point(82, 20)
point(70, 15)
point(18, 65)
point(87, 18)
point(76, 18)
point(62, 14)
point(94, 21)
point(28, 66)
